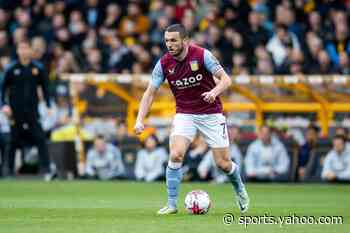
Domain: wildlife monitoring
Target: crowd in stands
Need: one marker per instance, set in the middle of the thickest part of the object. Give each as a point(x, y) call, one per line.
point(255, 36)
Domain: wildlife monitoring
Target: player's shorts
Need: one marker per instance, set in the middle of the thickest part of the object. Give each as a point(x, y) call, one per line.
point(212, 126)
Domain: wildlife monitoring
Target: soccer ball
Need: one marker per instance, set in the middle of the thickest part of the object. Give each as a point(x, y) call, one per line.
point(197, 202)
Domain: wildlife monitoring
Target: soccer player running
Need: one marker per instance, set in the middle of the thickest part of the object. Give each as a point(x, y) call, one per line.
point(190, 72)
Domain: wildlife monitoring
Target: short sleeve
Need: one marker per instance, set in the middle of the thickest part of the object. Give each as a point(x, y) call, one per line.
point(211, 63)
point(157, 75)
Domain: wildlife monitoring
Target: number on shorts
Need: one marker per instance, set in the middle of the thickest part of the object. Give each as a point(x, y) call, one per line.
point(223, 130)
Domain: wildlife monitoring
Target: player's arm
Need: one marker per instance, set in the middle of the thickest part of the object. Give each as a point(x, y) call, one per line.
point(222, 80)
point(148, 96)
point(145, 105)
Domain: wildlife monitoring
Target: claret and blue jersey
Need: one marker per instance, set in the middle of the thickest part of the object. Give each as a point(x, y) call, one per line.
point(188, 79)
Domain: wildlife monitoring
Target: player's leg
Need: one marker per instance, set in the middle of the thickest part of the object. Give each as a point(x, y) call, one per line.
point(223, 161)
point(178, 148)
point(181, 136)
point(214, 129)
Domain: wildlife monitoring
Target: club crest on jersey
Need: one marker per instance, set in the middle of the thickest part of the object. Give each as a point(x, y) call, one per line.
point(194, 65)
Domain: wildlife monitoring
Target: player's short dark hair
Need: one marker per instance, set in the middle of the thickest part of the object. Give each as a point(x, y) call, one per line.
point(177, 28)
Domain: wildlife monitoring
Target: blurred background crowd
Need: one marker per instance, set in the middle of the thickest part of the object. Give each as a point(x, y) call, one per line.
point(248, 37)
point(255, 37)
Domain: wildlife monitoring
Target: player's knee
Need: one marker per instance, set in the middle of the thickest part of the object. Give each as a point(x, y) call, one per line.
point(176, 156)
point(224, 165)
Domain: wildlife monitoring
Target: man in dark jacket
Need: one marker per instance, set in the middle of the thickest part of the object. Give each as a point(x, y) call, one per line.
point(20, 102)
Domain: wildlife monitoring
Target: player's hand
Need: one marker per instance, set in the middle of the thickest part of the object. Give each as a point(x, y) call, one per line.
point(139, 127)
point(209, 97)
point(7, 110)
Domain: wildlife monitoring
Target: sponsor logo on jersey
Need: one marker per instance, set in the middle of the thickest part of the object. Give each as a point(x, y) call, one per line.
point(187, 82)
point(194, 65)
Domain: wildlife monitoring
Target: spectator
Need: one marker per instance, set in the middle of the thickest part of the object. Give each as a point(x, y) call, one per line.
point(324, 65)
point(313, 48)
point(336, 165)
point(267, 158)
point(315, 24)
point(210, 16)
point(81, 27)
point(156, 11)
point(341, 43)
point(158, 31)
point(344, 64)
point(64, 112)
point(150, 161)
point(256, 34)
point(113, 17)
point(264, 67)
point(134, 23)
point(344, 132)
point(120, 56)
point(4, 48)
point(66, 63)
point(264, 16)
point(294, 27)
point(238, 10)
point(282, 42)
point(307, 156)
point(94, 62)
point(4, 17)
point(182, 7)
point(239, 64)
point(104, 161)
point(93, 13)
point(39, 47)
point(339, 40)
point(77, 27)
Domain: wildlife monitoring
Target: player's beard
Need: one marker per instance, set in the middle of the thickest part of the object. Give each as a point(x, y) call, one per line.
point(179, 52)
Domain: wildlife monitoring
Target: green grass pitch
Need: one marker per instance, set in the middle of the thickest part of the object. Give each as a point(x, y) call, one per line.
point(108, 207)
